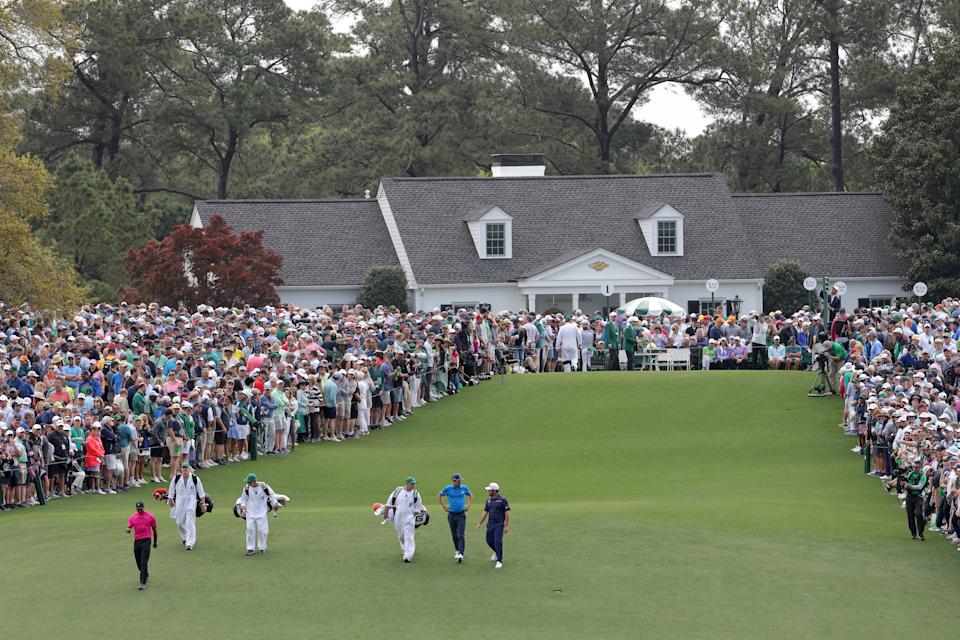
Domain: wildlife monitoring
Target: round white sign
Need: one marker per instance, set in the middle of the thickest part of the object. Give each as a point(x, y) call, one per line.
point(712, 285)
point(809, 283)
point(920, 289)
point(841, 287)
point(606, 289)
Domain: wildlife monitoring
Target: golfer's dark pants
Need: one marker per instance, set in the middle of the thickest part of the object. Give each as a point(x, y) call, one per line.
point(495, 539)
point(613, 359)
point(630, 353)
point(458, 523)
point(915, 515)
point(141, 552)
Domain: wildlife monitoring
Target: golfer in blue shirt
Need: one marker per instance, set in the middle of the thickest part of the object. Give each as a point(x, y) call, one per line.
point(459, 500)
point(497, 514)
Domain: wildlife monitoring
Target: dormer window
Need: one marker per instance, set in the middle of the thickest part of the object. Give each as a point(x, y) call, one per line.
point(492, 231)
point(662, 228)
point(666, 236)
point(496, 240)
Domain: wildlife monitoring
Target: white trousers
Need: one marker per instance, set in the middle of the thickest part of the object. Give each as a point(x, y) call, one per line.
point(188, 529)
point(414, 388)
point(705, 364)
point(363, 419)
point(569, 356)
point(405, 533)
point(584, 359)
point(257, 528)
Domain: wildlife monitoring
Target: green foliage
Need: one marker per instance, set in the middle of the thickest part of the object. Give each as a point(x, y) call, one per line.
point(783, 287)
point(93, 222)
point(918, 166)
point(384, 285)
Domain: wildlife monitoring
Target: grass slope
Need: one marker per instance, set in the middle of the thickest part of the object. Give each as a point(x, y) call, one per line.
point(675, 505)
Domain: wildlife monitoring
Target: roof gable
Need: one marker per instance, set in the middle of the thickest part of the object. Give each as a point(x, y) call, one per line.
point(600, 265)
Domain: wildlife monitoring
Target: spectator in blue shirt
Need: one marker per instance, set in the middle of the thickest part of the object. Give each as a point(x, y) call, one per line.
point(497, 514)
point(459, 500)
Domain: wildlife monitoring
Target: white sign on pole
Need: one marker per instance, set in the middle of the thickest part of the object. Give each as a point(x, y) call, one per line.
point(920, 289)
point(841, 287)
point(712, 285)
point(809, 283)
point(606, 289)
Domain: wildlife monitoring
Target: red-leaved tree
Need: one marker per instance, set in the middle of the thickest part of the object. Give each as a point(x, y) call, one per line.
point(212, 265)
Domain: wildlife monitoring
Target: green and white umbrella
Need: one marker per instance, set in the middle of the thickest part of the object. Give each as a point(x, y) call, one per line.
point(641, 307)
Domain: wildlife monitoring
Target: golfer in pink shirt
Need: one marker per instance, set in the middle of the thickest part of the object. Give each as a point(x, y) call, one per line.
point(142, 523)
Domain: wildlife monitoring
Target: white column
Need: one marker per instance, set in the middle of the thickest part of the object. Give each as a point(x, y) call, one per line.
point(532, 302)
point(623, 298)
point(575, 302)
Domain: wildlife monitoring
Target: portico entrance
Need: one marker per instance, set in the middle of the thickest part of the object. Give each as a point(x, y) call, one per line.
point(575, 282)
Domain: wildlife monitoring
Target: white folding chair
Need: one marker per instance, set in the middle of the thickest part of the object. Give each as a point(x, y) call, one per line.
point(680, 358)
point(663, 361)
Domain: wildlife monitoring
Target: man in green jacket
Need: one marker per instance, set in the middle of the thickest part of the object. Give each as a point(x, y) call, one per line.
point(612, 337)
point(630, 332)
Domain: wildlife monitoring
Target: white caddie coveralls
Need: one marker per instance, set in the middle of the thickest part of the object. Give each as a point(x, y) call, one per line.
point(568, 344)
point(185, 492)
point(258, 501)
point(402, 506)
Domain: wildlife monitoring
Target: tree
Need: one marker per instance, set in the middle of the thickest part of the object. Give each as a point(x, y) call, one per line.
point(30, 272)
point(211, 265)
point(783, 286)
point(94, 221)
point(237, 66)
point(384, 285)
point(106, 99)
point(621, 48)
point(917, 157)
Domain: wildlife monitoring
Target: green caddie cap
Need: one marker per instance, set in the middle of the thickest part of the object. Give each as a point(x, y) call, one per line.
point(251, 477)
point(411, 480)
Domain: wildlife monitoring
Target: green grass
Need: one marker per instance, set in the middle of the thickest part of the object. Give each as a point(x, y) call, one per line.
point(684, 505)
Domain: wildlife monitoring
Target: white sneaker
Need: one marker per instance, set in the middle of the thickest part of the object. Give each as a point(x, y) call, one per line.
point(493, 558)
point(499, 565)
point(111, 491)
point(855, 449)
point(101, 492)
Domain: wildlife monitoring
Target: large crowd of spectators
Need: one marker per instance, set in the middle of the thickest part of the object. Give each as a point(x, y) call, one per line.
point(113, 396)
point(898, 372)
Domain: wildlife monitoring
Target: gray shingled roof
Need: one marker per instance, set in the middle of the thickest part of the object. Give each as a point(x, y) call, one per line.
point(323, 242)
point(830, 234)
point(554, 216)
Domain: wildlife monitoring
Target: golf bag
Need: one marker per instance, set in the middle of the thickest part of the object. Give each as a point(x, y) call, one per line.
point(209, 502)
point(421, 519)
point(75, 476)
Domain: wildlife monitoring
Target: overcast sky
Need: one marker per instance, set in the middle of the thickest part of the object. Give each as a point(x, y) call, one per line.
point(668, 107)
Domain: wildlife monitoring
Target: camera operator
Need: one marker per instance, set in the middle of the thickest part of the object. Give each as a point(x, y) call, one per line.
point(836, 355)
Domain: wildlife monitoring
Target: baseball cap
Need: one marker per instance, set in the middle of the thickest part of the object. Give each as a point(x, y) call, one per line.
point(411, 480)
point(139, 504)
point(493, 486)
point(251, 477)
point(457, 476)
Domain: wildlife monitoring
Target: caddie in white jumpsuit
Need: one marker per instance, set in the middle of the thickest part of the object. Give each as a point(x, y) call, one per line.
point(402, 506)
point(568, 344)
point(256, 501)
point(184, 493)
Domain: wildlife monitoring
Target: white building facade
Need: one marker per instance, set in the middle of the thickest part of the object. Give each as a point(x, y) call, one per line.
point(523, 240)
